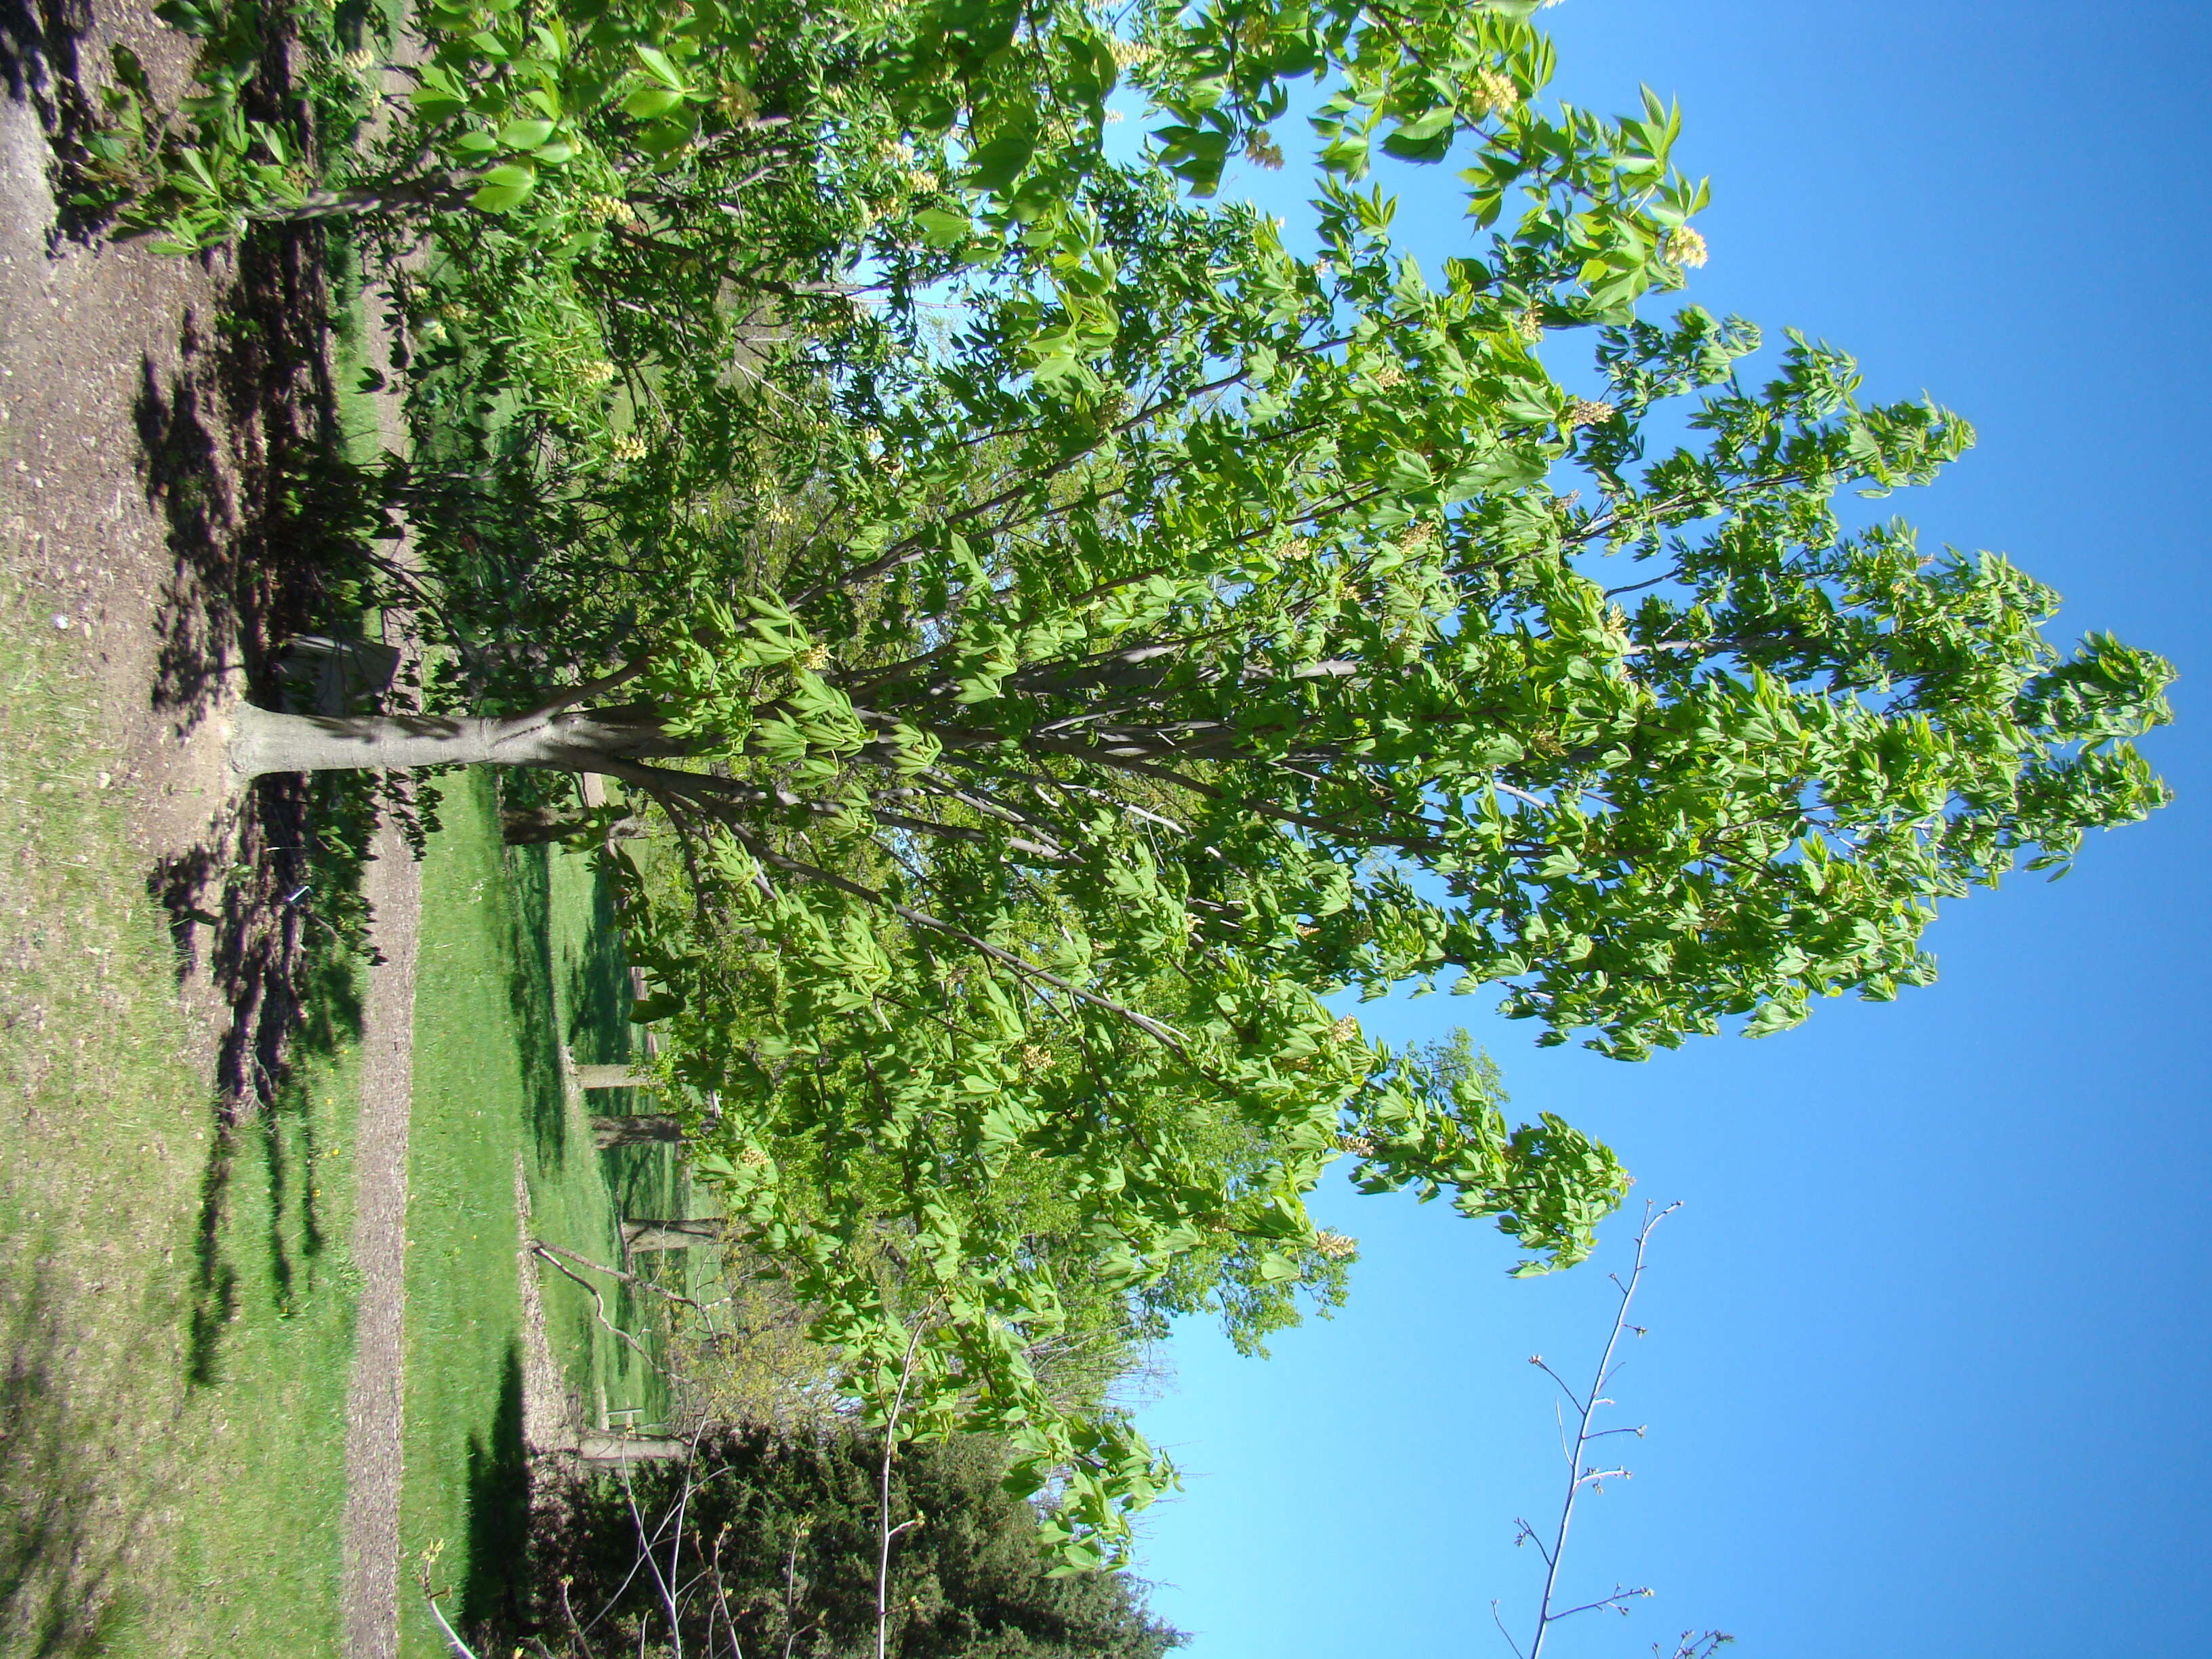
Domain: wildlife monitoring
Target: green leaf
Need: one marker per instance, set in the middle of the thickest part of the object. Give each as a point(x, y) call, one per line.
point(999, 163)
point(648, 103)
point(943, 230)
point(656, 61)
point(526, 134)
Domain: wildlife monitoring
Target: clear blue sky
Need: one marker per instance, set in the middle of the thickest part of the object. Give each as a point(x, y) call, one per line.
point(1929, 1352)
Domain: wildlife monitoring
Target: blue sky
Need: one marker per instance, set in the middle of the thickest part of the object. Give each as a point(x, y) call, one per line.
point(1929, 1347)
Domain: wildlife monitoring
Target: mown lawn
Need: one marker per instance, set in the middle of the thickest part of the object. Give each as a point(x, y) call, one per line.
point(518, 956)
point(177, 1305)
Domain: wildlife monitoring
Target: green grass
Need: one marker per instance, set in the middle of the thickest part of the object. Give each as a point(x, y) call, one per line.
point(180, 1324)
point(177, 1310)
point(518, 955)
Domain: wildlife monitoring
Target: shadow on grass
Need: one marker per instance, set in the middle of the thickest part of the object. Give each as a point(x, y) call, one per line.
point(63, 1548)
point(239, 452)
point(642, 1179)
point(272, 1132)
point(499, 1512)
point(598, 985)
point(530, 995)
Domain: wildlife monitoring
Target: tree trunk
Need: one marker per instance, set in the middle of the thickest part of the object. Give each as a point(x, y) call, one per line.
point(443, 191)
point(580, 740)
point(628, 1447)
point(537, 826)
point(671, 1234)
point(613, 1077)
point(640, 1131)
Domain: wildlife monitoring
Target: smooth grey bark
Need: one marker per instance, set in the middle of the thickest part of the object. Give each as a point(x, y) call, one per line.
point(642, 1130)
point(671, 1235)
point(581, 740)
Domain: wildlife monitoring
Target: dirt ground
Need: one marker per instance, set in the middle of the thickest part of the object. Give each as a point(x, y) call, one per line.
point(147, 406)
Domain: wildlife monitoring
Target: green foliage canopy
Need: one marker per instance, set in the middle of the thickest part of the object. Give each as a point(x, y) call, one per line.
point(1139, 691)
point(1163, 632)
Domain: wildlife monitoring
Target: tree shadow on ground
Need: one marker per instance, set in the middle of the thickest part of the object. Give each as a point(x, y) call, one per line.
point(278, 1140)
point(41, 51)
point(530, 994)
point(499, 1511)
point(598, 985)
point(238, 453)
point(62, 1546)
point(644, 1180)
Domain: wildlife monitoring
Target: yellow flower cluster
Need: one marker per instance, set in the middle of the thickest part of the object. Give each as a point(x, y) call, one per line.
point(604, 208)
point(1359, 1144)
point(1685, 247)
point(628, 447)
point(1587, 413)
point(1492, 92)
point(597, 372)
point(1335, 1247)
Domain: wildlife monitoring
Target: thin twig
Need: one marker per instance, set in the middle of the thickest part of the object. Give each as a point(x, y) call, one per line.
point(644, 1549)
point(1578, 1477)
point(541, 1248)
point(599, 1309)
point(886, 1531)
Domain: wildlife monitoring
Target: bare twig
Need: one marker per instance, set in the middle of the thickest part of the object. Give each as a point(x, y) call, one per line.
point(661, 1581)
point(885, 1530)
point(541, 1248)
point(1579, 1477)
point(599, 1309)
point(424, 1562)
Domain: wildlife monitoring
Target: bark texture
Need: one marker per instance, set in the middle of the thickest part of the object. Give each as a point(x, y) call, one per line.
point(609, 740)
point(628, 1447)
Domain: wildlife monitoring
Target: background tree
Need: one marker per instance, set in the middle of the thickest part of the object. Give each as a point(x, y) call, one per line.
point(765, 1544)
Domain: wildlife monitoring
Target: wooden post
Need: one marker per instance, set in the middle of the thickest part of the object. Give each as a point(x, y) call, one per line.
point(643, 1129)
point(671, 1235)
point(612, 1077)
point(628, 1447)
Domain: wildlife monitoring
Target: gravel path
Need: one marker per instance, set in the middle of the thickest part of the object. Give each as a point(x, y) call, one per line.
point(375, 1407)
